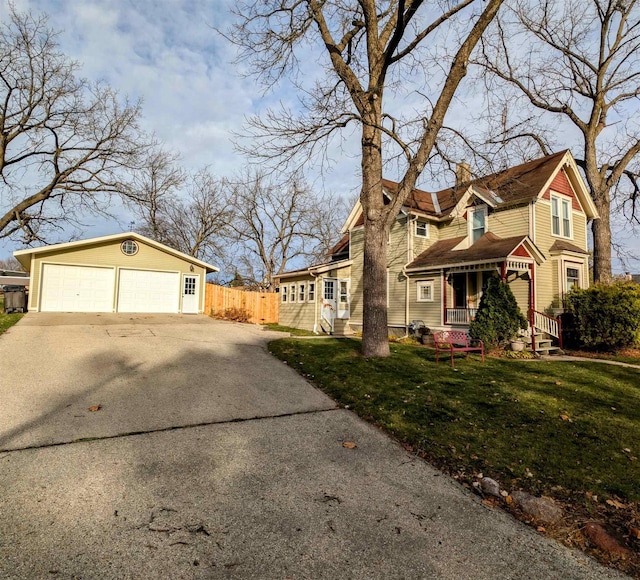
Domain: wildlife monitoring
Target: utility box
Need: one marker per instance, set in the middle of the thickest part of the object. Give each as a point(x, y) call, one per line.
point(15, 299)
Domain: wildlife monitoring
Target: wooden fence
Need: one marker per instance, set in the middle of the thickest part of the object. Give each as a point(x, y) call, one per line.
point(259, 307)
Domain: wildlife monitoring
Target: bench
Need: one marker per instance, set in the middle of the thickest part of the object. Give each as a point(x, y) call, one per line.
point(453, 341)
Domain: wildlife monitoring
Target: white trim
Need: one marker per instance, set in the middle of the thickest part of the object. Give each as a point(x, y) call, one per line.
point(113, 238)
point(563, 201)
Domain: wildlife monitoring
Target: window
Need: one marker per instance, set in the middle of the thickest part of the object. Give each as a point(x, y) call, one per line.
point(344, 297)
point(573, 278)
point(424, 291)
point(422, 229)
point(478, 223)
point(329, 290)
point(301, 291)
point(129, 248)
point(292, 293)
point(560, 216)
point(312, 292)
point(283, 294)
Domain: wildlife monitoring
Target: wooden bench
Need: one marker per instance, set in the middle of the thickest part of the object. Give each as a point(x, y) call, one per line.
point(453, 341)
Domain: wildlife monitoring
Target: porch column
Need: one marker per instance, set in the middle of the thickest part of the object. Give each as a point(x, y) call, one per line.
point(503, 271)
point(444, 298)
point(532, 287)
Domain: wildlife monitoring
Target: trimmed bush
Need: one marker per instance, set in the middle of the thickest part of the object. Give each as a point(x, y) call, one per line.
point(499, 317)
point(607, 316)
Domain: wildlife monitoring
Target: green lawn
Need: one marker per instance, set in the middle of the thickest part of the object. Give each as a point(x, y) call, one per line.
point(554, 428)
point(289, 329)
point(7, 320)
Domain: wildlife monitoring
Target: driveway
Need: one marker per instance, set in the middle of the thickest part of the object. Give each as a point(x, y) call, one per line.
point(236, 468)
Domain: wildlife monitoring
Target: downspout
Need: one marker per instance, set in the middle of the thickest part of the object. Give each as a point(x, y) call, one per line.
point(315, 302)
point(410, 221)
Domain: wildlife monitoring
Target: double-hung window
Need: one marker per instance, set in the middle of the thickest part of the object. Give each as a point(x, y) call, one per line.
point(573, 278)
point(312, 292)
point(283, 293)
point(478, 223)
point(301, 292)
point(292, 293)
point(560, 216)
point(422, 229)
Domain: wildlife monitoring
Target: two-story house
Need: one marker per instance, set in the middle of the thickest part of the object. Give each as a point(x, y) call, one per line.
point(528, 224)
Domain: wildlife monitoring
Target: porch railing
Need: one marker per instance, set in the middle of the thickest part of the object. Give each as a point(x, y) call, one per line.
point(460, 315)
point(540, 322)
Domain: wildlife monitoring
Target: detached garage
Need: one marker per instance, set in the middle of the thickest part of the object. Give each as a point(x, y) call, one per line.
point(121, 273)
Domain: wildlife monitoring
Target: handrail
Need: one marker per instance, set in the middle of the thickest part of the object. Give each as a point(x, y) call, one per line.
point(460, 315)
point(544, 323)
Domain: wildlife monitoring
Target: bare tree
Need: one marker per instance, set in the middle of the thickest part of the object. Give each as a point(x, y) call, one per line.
point(153, 188)
point(369, 49)
point(276, 224)
point(62, 140)
point(581, 65)
point(11, 263)
point(188, 212)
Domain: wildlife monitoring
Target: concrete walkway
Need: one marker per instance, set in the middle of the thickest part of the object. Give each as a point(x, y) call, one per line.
point(238, 470)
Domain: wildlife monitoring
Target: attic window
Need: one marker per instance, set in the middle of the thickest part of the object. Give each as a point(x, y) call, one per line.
point(129, 248)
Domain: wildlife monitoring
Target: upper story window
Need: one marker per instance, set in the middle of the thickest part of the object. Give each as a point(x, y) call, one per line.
point(421, 229)
point(560, 216)
point(478, 222)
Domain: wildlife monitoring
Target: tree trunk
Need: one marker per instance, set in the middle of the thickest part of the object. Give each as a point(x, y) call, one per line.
point(375, 334)
point(601, 229)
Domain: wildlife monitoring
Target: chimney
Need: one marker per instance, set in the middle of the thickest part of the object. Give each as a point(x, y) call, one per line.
point(463, 173)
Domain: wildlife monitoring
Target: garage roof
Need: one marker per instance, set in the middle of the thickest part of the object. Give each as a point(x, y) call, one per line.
point(24, 256)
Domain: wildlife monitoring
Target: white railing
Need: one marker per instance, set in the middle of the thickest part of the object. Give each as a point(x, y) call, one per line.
point(544, 323)
point(460, 315)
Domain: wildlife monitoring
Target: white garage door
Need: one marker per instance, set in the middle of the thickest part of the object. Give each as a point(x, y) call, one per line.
point(77, 289)
point(144, 291)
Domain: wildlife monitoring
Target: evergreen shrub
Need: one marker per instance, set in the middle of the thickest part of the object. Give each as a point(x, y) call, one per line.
point(499, 317)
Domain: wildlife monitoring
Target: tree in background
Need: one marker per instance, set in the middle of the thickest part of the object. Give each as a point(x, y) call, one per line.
point(581, 65)
point(276, 224)
point(11, 263)
point(372, 53)
point(63, 141)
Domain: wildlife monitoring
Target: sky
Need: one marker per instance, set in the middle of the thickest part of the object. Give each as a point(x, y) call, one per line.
point(169, 54)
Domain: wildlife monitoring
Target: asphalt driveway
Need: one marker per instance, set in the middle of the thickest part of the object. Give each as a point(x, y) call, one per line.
point(237, 468)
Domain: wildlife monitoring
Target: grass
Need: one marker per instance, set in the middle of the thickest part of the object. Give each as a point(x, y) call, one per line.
point(289, 329)
point(554, 428)
point(7, 320)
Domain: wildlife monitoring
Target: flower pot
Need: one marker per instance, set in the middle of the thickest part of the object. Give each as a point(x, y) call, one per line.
point(517, 345)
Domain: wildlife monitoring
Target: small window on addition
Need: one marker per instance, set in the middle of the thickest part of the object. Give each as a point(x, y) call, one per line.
point(424, 291)
point(301, 292)
point(312, 291)
point(129, 248)
point(283, 293)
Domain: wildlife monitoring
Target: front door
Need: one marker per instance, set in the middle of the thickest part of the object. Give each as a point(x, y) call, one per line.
point(190, 293)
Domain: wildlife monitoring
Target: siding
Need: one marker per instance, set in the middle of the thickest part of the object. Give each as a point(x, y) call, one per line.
point(297, 314)
point(453, 229)
point(520, 287)
point(510, 222)
point(429, 312)
point(357, 255)
point(109, 254)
